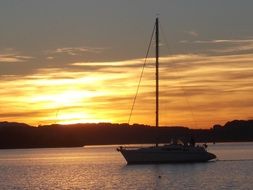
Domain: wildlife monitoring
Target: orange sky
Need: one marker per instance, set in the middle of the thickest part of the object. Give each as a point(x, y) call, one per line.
point(196, 91)
point(66, 62)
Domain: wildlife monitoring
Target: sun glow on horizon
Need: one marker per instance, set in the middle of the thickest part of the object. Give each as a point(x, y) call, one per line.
point(72, 118)
point(213, 91)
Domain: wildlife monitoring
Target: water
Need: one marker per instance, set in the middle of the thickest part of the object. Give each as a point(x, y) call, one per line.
point(102, 167)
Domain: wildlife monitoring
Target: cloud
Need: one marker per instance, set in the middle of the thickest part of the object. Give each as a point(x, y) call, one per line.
point(50, 58)
point(77, 50)
point(192, 33)
point(220, 46)
point(9, 115)
point(10, 55)
point(12, 58)
point(229, 45)
point(110, 64)
point(231, 41)
point(248, 46)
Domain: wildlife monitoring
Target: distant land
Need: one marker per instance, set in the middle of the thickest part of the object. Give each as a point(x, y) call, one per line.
point(21, 135)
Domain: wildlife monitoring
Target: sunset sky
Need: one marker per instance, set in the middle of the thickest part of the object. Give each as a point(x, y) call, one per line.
point(79, 61)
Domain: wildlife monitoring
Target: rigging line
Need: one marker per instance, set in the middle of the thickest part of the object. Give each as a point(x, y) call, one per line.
point(143, 66)
point(180, 82)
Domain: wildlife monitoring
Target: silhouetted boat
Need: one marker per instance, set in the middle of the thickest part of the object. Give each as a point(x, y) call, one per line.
point(171, 153)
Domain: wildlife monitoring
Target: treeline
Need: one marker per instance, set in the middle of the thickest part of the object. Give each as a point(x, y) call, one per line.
point(20, 135)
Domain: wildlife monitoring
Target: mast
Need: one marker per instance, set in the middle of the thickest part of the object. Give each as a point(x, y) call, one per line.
point(157, 75)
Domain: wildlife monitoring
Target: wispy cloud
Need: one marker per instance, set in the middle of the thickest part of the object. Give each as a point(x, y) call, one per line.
point(192, 33)
point(12, 58)
point(112, 63)
point(77, 50)
point(50, 58)
point(241, 47)
point(222, 46)
point(233, 41)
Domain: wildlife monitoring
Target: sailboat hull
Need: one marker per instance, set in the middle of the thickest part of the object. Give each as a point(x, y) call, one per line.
point(158, 156)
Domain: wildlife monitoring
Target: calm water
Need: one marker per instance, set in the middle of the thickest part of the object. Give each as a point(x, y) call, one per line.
point(104, 168)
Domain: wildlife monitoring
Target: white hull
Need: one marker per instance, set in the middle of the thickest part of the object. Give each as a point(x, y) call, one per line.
point(162, 155)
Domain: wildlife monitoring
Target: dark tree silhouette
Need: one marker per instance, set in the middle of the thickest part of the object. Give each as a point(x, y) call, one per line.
point(21, 135)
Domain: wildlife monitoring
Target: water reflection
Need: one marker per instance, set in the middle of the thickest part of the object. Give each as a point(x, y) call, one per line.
point(104, 168)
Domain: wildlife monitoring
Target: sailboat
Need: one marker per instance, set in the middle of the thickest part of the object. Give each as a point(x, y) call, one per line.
point(169, 153)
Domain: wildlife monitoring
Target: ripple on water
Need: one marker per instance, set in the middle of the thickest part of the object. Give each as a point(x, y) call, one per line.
point(104, 168)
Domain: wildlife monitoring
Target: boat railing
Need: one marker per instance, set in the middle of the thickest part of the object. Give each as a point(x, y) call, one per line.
point(167, 146)
point(131, 147)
